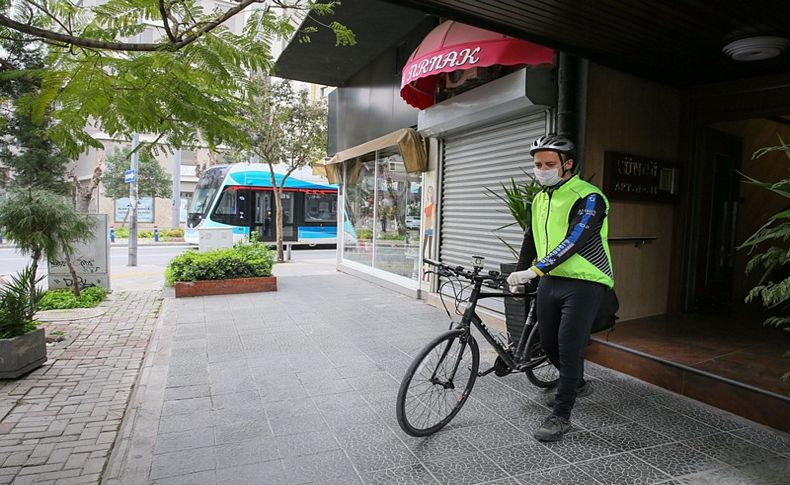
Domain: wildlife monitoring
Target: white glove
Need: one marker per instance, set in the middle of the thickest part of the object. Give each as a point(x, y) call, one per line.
point(519, 278)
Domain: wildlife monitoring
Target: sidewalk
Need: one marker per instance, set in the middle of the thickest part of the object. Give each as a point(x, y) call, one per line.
point(299, 386)
point(58, 424)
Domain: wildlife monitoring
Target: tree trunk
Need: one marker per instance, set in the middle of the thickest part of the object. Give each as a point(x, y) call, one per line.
point(73, 273)
point(278, 205)
point(34, 267)
point(83, 201)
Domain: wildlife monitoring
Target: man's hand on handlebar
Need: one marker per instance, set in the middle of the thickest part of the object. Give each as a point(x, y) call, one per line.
point(518, 279)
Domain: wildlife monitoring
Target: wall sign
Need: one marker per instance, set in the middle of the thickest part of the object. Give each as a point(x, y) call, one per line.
point(90, 261)
point(145, 209)
point(631, 177)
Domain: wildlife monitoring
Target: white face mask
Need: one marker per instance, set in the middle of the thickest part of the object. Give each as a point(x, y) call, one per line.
point(547, 178)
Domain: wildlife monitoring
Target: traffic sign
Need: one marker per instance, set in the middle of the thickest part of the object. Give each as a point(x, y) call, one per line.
point(129, 176)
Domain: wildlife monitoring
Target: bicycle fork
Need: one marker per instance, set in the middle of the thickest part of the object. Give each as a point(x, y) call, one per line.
point(448, 384)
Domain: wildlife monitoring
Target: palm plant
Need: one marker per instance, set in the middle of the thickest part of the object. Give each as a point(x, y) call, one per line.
point(517, 198)
point(17, 306)
point(769, 243)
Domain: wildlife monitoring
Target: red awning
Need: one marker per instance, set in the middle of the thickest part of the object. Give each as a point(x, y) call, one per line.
point(453, 46)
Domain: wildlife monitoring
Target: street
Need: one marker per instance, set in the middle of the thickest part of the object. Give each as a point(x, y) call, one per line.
point(151, 262)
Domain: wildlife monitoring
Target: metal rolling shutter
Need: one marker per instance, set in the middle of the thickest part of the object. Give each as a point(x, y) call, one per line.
point(474, 160)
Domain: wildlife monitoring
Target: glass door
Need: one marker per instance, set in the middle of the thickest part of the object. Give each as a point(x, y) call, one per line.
point(263, 222)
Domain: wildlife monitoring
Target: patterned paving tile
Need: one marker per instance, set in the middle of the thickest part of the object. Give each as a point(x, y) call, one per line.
point(767, 439)
point(581, 446)
point(622, 469)
point(466, 469)
point(504, 481)
point(381, 455)
point(564, 475)
point(592, 416)
point(677, 459)
point(494, 435)
point(712, 417)
point(729, 448)
point(719, 476)
point(407, 475)
point(774, 471)
point(518, 408)
point(474, 413)
point(631, 436)
point(331, 465)
point(524, 458)
point(437, 445)
point(363, 434)
point(676, 426)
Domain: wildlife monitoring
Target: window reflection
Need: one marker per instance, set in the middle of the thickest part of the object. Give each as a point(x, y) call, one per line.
point(382, 214)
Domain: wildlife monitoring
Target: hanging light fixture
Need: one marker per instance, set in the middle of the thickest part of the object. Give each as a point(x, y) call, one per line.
point(756, 48)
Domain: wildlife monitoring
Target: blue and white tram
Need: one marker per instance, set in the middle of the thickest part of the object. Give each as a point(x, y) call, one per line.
point(241, 197)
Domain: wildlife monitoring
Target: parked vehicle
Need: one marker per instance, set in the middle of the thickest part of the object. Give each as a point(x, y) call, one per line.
point(241, 197)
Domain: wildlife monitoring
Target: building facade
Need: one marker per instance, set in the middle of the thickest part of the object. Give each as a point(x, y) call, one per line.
point(665, 123)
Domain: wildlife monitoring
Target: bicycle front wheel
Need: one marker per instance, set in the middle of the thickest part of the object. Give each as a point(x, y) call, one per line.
point(437, 383)
point(543, 373)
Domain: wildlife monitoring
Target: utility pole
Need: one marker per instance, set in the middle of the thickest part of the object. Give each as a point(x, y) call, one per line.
point(133, 203)
point(177, 189)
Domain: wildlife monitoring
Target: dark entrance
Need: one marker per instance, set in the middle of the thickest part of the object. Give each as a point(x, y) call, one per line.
point(712, 256)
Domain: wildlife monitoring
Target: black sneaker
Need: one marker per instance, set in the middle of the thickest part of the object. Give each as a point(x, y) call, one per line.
point(581, 391)
point(552, 429)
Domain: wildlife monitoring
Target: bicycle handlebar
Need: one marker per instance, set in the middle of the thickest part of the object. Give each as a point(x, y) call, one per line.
point(471, 275)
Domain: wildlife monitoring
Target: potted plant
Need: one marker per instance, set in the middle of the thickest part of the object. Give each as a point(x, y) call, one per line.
point(769, 248)
point(244, 268)
point(517, 199)
point(22, 345)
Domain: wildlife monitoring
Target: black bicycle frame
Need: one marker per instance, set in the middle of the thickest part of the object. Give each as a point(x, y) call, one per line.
point(470, 316)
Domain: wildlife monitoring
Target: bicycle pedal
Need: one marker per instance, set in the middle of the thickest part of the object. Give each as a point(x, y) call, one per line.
point(501, 369)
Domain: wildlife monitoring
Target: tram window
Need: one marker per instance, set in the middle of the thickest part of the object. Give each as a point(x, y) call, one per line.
point(231, 208)
point(320, 208)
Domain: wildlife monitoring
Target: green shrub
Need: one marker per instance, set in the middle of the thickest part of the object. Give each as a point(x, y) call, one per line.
point(365, 233)
point(123, 233)
point(65, 299)
point(243, 260)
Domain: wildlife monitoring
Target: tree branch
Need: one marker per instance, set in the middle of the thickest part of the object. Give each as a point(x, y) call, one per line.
point(163, 13)
point(125, 46)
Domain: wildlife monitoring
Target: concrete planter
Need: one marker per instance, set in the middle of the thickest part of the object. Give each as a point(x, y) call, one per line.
point(225, 287)
point(20, 355)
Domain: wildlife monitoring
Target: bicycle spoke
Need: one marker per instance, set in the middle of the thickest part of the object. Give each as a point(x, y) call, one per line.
point(436, 387)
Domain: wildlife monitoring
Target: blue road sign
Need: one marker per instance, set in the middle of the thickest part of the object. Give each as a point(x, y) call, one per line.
point(129, 176)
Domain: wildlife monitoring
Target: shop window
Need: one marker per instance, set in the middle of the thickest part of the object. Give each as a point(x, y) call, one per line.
point(382, 213)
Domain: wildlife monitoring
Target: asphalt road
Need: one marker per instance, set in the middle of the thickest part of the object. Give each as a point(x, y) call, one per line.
point(151, 262)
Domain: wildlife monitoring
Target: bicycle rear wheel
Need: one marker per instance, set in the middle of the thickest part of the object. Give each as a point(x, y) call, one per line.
point(543, 374)
point(437, 383)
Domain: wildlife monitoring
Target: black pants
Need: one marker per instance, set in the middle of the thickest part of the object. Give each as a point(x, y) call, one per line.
point(566, 309)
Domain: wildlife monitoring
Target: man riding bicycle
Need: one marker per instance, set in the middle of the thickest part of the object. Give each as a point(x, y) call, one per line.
point(567, 242)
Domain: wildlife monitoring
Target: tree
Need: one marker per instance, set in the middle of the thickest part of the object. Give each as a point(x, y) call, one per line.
point(183, 86)
point(43, 224)
point(152, 180)
point(28, 158)
point(283, 127)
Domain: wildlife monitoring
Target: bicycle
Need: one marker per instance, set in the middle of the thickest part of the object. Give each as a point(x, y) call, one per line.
point(422, 406)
